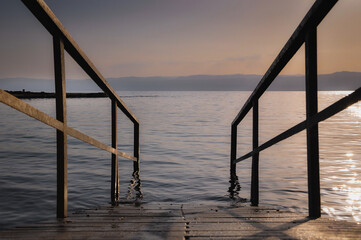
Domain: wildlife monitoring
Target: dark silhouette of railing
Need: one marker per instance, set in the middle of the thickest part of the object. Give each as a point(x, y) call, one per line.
point(63, 41)
point(306, 33)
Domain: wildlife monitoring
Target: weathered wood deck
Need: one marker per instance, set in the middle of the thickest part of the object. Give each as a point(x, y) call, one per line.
point(176, 221)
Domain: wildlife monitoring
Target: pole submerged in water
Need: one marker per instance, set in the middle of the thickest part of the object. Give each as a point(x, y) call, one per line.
point(61, 136)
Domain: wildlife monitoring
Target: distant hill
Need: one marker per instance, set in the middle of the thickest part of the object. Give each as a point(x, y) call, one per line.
point(237, 82)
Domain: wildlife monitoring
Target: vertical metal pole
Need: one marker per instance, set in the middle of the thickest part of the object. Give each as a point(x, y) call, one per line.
point(115, 171)
point(233, 151)
point(136, 147)
point(255, 158)
point(61, 137)
point(314, 199)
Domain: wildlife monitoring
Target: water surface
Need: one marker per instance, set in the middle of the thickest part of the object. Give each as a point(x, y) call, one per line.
point(185, 145)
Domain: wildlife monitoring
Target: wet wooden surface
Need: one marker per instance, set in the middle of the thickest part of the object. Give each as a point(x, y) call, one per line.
point(177, 221)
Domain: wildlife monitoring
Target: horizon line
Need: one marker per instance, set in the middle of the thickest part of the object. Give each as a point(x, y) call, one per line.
point(178, 76)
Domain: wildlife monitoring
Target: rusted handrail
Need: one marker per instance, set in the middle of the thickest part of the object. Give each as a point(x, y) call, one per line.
point(306, 33)
point(62, 40)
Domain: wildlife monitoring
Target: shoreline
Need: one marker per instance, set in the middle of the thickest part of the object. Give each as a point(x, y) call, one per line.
point(29, 94)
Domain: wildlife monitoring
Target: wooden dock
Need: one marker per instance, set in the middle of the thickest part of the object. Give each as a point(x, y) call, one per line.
point(177, 221)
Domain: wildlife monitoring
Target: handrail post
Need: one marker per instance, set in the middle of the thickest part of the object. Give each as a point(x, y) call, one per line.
point(255, 158)
point(233, 150)
point(314, 199)
point(114, 195)
point(136, 148)
point(61, 136)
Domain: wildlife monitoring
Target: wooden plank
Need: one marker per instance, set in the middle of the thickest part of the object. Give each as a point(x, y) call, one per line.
point(186, 222)
point(148, 206)
point(96, 235)
point(101, 221)
point(187, 211)
point(126, 215)
point(190, 221)
point(129, 211)
point(111, 227)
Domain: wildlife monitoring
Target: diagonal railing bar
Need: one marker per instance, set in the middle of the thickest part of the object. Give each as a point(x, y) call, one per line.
point(328, 112)
point(31, 111)
point(306, 32)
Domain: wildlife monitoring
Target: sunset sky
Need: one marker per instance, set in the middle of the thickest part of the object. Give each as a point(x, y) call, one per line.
point(176, 38)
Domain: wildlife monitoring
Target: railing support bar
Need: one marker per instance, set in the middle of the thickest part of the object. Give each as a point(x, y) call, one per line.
point(61, 137)
point(114, 195)
point(136, 148)
point(233, 150)
point(313, 169)
point(255, 158)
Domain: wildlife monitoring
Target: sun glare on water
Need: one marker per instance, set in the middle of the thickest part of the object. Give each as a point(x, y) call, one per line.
point(355, 109)
point(350, 190)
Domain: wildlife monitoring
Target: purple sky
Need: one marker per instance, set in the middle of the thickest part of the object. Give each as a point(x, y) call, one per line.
point(172, 38)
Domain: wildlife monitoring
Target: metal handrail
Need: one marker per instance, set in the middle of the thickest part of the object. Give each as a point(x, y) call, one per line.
point(312, 19)
point(62, 40)
point(306, 33)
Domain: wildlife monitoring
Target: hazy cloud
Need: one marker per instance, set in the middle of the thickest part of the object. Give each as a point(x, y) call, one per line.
point(244, 58)
point(169, 37)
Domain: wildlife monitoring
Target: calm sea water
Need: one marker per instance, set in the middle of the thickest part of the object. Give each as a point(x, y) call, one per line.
point(185, 145)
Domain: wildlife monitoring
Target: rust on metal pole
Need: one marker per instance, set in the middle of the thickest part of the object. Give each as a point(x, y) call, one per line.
point(61, 136)
point(136, 147)
point(114, 171)
point(233, 150)
point(255, 158)
point(313, 169)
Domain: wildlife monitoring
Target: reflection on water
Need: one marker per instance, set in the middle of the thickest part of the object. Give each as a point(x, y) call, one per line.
point(340, 155)
point(234, 189)
point(345, 179)
point(355, 110)
point(135, 188)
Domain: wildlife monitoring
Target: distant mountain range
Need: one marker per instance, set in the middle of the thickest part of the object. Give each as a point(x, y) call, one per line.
point(237, 82)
